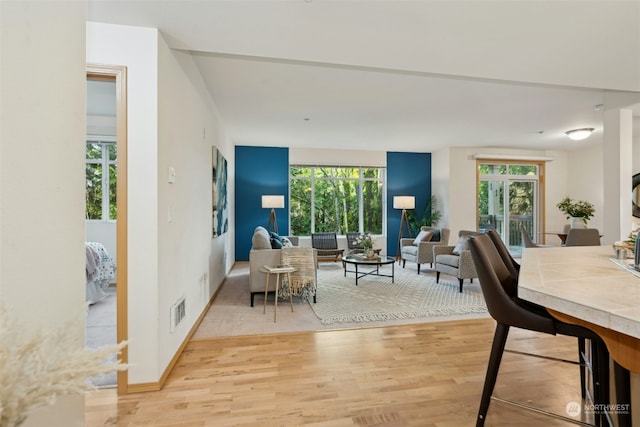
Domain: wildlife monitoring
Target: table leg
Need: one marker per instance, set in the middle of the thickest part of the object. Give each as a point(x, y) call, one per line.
point(356, 274)
point(290, 291)
point(275, 298)
point(266, 290)
point(392, 272)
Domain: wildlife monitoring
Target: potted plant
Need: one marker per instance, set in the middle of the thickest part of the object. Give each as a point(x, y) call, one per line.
point(578, 211)
point(430, 216)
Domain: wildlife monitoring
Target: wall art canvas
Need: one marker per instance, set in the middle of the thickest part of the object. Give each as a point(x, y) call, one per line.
point(220, 210)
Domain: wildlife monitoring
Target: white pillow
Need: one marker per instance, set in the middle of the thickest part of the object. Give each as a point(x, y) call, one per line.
point(424, 236)
point(462, 245)
point(286, 243)
point(260, 239)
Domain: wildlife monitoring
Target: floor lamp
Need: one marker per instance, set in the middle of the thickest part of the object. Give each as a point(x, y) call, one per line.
point(274, 202)
point(404, 203)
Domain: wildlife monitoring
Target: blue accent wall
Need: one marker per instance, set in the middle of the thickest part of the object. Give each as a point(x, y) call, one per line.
point(259, 170)
point(408, 174)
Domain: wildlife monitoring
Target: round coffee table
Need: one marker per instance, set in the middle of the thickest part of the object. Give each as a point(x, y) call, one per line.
point(359, 260)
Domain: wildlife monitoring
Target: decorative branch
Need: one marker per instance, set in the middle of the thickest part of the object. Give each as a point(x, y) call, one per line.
point(38, 366)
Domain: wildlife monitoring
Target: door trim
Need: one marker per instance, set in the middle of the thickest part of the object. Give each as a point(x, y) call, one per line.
point(119, 74)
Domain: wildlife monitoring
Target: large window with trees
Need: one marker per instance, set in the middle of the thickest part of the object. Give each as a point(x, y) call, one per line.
point(509, 195)
point(340, 199)
point(101, 180)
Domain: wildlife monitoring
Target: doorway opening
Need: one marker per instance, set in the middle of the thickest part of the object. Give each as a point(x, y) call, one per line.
point(510, 195)
point(106, 209)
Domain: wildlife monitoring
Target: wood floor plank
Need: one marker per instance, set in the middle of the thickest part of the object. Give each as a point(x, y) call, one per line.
point(426, 375)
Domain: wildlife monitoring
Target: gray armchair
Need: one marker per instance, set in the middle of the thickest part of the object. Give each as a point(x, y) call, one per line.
point(455, 260)
point(423, 252)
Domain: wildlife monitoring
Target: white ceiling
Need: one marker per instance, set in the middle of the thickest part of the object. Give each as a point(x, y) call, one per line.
point(394, 75)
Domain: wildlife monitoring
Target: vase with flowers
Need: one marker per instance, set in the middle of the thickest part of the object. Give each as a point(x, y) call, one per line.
point(366, 241)
point(578, 211)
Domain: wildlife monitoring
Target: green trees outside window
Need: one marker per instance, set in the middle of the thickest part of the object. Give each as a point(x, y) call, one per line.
point(100, 186)
point(508, 196)
point(340, 199)
point(520, 193)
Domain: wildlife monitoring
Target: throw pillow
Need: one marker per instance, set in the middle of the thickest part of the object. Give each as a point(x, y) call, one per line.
point(274, 235)
point(436, 236)
point(424, 236)
point(260, 239)
point(286, 243)
point(276, 240)
point(276, 244)
point(462, 245)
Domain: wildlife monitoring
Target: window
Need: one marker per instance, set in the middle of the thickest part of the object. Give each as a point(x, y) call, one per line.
point(101, 180)
point(509, 195)
point(340, 199)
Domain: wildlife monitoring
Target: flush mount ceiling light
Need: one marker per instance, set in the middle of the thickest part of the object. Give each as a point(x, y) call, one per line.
point(579, 134)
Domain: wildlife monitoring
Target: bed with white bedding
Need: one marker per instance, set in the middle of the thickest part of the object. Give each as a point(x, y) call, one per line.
point(101, 271)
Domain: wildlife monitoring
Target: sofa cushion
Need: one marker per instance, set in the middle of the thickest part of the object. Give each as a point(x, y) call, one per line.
point(452, 260)
point(411, 250)
point(261, 239)
point(436, 235)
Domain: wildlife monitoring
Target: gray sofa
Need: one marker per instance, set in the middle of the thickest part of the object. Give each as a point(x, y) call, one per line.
point(262, 254)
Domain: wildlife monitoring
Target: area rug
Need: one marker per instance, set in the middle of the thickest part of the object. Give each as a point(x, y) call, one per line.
point(375, 298)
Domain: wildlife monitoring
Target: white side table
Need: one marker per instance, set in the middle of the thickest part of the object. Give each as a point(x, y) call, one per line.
point(277, 271)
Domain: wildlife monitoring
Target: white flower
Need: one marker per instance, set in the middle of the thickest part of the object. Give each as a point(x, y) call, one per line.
point(365, 240)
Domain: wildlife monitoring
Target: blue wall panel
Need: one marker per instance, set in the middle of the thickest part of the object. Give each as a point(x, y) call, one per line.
point(408, 174)
point(259, 170)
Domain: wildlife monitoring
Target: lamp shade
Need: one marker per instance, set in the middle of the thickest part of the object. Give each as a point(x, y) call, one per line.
point(272, 201)
point(579, 134)
point(404, 202)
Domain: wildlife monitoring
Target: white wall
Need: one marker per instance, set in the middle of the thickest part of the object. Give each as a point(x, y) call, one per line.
point(42, 256)
point(455, 184)
point(137, 48)
point(585, 181)
point(188, 125)
point(172, 121)
point(320, 156)
point(101, 125)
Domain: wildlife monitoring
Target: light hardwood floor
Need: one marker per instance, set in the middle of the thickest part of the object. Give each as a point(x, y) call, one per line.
point(428, 374)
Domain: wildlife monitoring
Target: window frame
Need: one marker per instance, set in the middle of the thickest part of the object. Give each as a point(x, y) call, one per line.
point(537, 179)
point(105, 142)
point(361, 179)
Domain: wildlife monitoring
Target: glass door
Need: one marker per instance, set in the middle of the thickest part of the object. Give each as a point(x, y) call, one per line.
point(508, 196)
